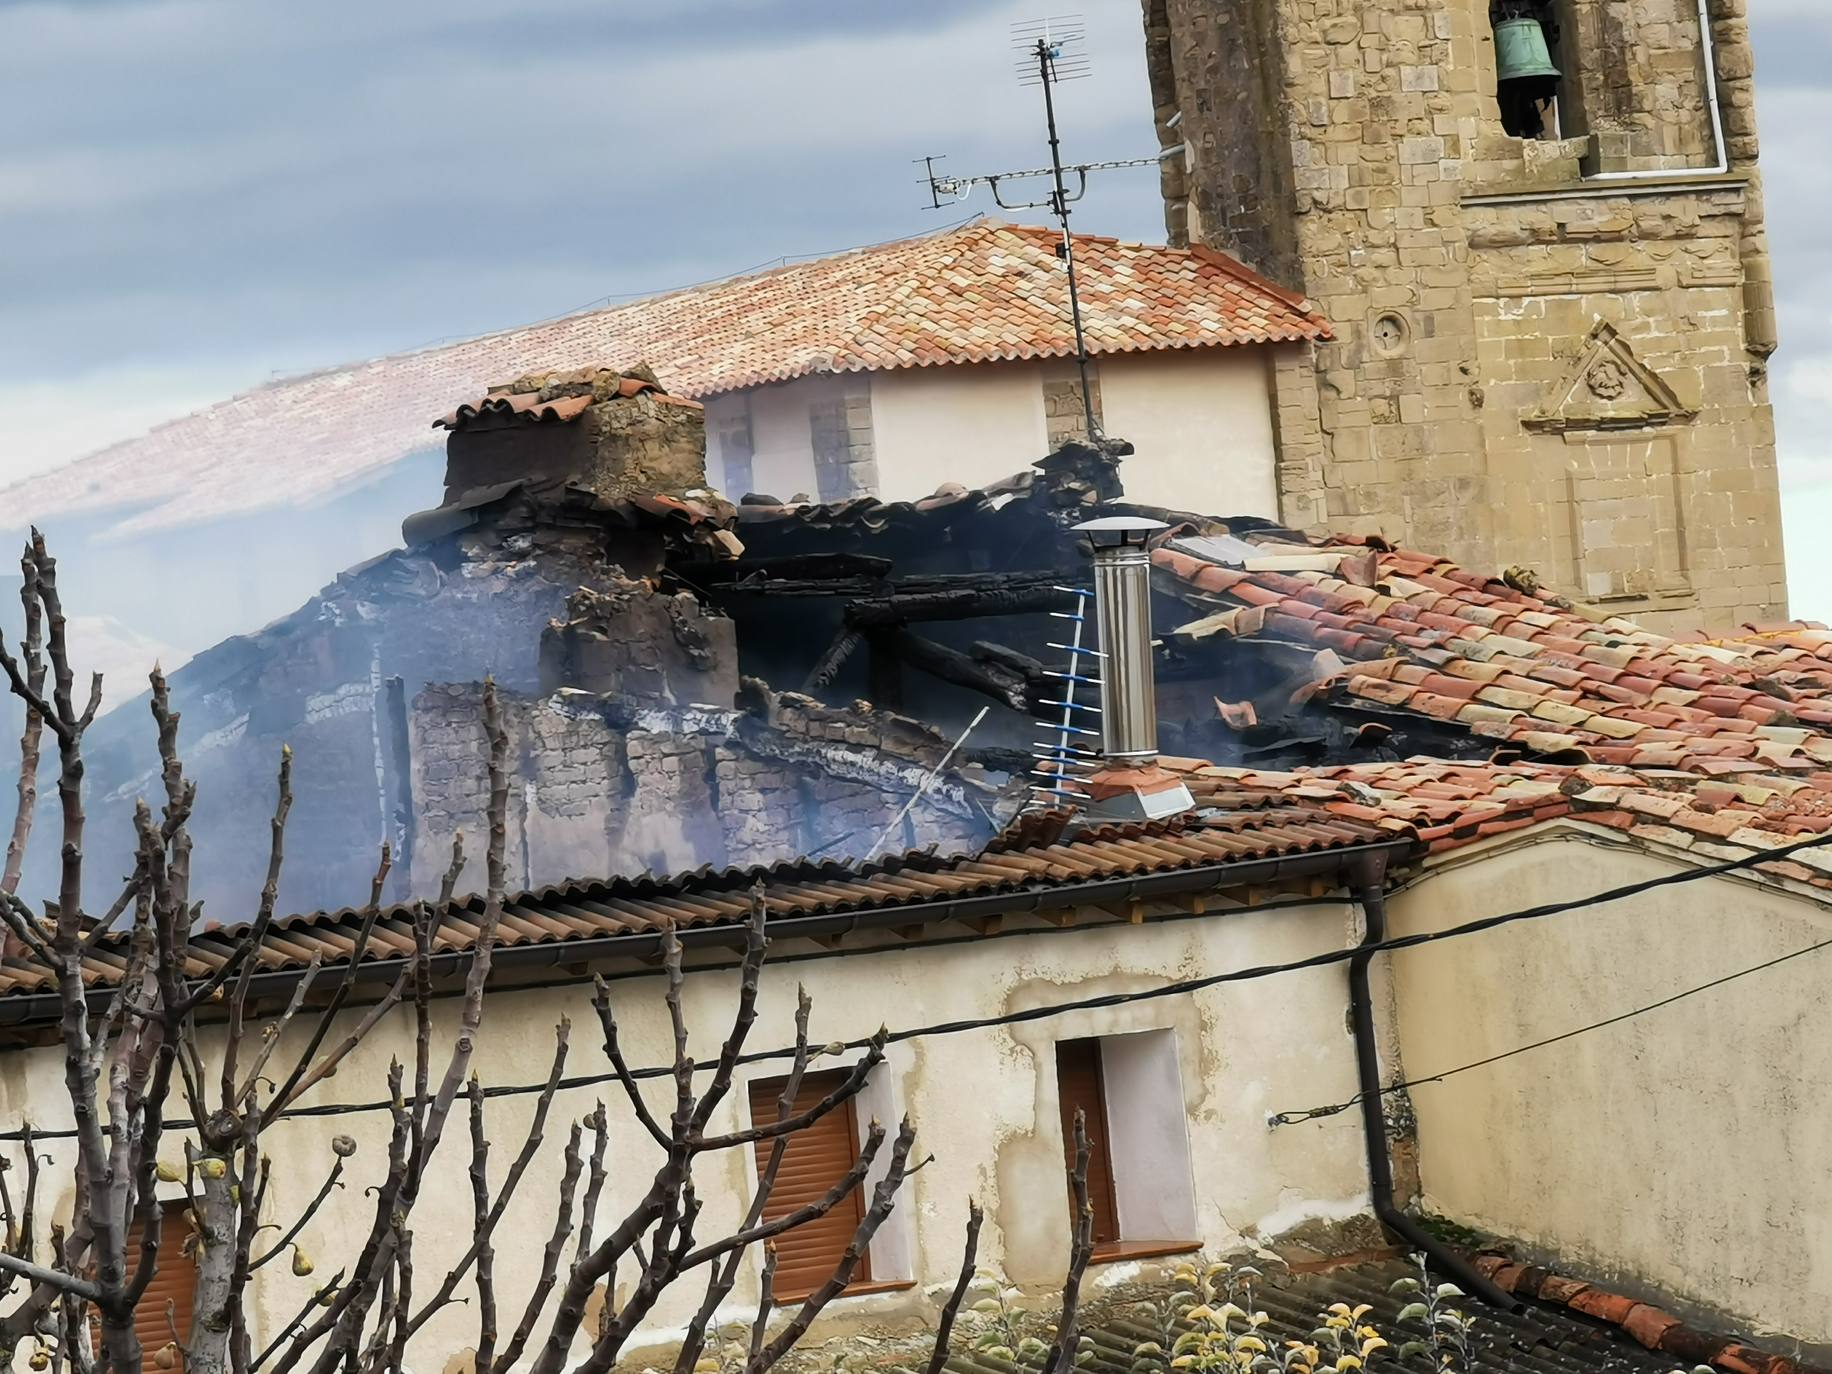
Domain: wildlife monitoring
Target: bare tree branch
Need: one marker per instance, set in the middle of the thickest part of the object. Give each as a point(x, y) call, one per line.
point(883, 1199)
point(1061, 1356)
point(938, 1356)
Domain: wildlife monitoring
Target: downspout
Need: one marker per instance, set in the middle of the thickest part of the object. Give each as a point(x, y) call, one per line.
point(1708, 54)
point(1439, 1256)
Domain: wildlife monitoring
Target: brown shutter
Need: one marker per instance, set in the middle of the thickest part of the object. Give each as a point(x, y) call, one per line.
point(1078, 1084)
point(174, 1282)
point(816, 1159)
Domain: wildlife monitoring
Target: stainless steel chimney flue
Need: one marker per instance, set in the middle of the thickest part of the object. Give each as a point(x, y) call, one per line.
point(1129, 785)
point(1122, 608)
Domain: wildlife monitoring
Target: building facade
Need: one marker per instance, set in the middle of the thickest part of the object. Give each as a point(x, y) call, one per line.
point(1552, 319)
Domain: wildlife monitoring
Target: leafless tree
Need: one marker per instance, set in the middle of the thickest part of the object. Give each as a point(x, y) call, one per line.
point(183, 1062)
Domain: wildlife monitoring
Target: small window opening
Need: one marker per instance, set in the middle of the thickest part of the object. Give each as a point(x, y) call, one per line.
point(817, 1157)
point(1129, 1090)
point(1526, 78)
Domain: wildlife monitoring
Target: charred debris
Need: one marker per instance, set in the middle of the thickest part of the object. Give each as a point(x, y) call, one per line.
point(691, 681)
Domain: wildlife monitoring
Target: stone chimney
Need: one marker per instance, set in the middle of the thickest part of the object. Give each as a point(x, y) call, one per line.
point(613, 433)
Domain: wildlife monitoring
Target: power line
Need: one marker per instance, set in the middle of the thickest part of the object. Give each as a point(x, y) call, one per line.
point(1179, 988)
point(1316, 1113)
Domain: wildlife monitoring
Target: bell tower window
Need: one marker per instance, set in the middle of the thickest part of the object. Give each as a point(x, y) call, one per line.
point(1526, 79)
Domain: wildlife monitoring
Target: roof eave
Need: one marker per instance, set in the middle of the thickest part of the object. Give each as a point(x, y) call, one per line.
point(42, 1008)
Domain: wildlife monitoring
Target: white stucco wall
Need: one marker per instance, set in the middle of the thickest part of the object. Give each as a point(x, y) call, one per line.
point(1684, 1151)
point(1200, 421)
point(984, 1102)
point(972, 425)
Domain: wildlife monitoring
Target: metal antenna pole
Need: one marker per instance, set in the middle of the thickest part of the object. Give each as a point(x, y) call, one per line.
point(1059, 204)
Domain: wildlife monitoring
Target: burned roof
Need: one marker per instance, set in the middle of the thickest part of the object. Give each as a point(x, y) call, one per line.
point(982, 292)
point(1048, 863)
point(1505, 661)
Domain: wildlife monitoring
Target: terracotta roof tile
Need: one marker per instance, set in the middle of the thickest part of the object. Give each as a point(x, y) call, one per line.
point(983, 292)
point(1037, 855)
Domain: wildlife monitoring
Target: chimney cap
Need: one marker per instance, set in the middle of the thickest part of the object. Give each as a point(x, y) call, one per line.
point(1116, 531)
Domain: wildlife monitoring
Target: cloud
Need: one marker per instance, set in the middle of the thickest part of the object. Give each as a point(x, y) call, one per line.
point(48, 419)
point(250, 189)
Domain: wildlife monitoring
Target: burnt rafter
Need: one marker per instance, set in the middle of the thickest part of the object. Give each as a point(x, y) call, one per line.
point(1010, 594)
point(1006, 676)
point(989, 587)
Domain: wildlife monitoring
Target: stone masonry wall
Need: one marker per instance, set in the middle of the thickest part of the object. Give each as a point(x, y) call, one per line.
point(1470, 279)
point(840, 436)
point(599, 789)
point(1063, 412)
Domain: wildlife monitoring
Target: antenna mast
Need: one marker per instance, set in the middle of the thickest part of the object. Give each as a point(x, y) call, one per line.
point(1048, 51)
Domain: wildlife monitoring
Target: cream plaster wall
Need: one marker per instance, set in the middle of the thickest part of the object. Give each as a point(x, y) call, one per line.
point(984, 1102)
point(1684, 1150)
point(1200, 421)
point(971, 424)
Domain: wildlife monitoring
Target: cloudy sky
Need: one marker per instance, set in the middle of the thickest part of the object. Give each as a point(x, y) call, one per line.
point(198, 195)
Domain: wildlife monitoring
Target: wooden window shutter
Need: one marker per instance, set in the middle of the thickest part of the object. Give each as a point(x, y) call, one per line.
point(816, 1159)
point(174, 1282)
point(1079, 1084)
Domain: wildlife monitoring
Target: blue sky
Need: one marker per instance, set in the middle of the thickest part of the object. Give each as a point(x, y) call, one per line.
point(213, 192)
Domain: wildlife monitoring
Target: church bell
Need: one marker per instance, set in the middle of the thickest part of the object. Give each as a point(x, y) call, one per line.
point(1520, 51)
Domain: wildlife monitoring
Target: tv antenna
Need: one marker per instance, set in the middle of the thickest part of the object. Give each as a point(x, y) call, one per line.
point(1046, 52)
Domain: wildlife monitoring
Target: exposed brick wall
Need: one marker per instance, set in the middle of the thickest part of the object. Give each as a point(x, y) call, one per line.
point(1466, 273)
point(599, 789)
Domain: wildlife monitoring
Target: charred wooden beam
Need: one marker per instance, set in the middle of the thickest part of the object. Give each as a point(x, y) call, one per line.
point(1020, 691)
point(812, 567)
point(753, 583)
point(993, 598)
point(886, 671)
point(821, 676)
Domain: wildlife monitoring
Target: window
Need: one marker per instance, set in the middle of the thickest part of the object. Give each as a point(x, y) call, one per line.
point(174, 1282)
point(1129, 1089)
point(1527, 77)
point(815, 1160)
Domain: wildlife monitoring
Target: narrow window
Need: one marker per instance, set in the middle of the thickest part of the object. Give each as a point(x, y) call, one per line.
point(1129, 1089)
point(816, 1159)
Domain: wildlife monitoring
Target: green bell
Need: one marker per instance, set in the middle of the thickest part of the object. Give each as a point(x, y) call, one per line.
point(1520, 50)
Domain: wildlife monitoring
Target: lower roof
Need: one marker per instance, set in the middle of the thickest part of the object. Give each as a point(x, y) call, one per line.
point(1047, 860)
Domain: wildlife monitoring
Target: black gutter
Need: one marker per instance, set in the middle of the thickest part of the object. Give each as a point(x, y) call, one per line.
point(646, 946)
point(1372, 896)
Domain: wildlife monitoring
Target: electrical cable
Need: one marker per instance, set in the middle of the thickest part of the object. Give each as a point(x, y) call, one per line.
point(1179, 988)
point(1317, 1113)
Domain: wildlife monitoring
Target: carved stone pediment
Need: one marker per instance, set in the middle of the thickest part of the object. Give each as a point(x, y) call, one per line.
point(1609, 388)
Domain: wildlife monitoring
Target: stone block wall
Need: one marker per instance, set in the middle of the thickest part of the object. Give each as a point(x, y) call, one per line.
point(1467, 275)
point(840, 435)
point(1063, 411)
